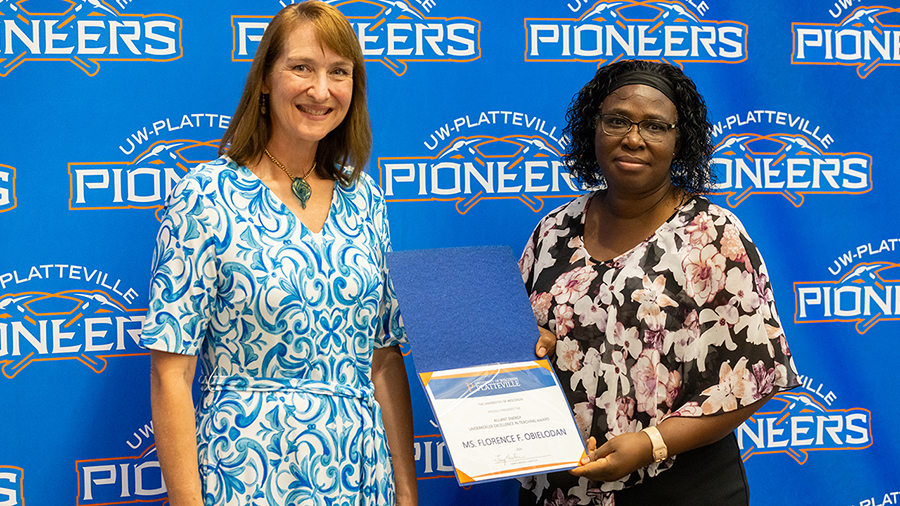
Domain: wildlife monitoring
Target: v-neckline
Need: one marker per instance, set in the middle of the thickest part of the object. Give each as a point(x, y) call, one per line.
point(293, 216)
point(619, 258)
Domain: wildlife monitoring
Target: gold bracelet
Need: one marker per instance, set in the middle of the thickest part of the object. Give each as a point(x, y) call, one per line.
point(660, 452)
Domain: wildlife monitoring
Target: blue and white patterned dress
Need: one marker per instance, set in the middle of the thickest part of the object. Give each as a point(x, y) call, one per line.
point(284, 321)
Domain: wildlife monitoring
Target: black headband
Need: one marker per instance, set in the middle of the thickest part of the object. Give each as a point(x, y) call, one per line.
point(651, 79)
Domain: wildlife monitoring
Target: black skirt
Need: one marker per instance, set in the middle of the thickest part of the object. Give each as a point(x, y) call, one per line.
point(711, 475)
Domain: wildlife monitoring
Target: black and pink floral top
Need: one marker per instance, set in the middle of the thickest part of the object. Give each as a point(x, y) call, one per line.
point(684, 324)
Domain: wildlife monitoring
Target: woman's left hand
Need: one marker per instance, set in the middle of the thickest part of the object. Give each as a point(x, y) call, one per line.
point(392, 393)
point(618, 457)
point(626, 453)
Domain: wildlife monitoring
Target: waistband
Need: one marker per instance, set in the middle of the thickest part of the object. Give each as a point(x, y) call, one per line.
point(215, 383)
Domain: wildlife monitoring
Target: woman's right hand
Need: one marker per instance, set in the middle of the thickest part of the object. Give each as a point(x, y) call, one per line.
point(546, 343)
point(174, 426)
point(617, 458)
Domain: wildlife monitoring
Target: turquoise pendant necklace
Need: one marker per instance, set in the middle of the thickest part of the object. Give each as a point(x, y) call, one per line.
point(299, 187)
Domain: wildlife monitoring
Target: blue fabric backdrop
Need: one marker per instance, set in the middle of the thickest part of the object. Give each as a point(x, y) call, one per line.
point(108, 103)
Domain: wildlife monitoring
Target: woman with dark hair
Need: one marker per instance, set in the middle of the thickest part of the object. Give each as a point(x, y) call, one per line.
point(654, 303)
point(270, 266)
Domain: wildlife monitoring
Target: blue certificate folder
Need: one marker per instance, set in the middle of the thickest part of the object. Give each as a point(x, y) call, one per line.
point(463, 307)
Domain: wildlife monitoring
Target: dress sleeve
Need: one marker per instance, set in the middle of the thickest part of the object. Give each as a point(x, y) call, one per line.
point(183, 273)
point(732, 344)
point(390, 332)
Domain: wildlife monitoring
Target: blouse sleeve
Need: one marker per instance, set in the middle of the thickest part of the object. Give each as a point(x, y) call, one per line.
point(526, 261)
point(183, 273)
point(390, 332)
point(732, 344)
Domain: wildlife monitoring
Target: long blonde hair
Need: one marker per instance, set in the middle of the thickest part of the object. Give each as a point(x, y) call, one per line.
point(250, 130)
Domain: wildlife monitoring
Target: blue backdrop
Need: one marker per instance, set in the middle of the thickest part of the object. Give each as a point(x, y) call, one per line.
point(108, 103)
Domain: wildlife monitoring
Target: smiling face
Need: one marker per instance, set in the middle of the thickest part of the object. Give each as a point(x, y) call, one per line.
point(310, 89)
point(630, 164)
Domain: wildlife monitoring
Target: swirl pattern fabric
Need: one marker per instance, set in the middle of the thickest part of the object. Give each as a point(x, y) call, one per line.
point(285, 322)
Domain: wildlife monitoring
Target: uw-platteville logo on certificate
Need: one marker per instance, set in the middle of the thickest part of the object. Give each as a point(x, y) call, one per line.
point(504, 420)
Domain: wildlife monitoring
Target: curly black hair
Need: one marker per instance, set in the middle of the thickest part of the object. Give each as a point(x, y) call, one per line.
point(691, 166)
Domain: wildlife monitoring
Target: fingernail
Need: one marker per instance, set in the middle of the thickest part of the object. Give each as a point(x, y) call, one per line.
point(542, 351)
point(585, 461)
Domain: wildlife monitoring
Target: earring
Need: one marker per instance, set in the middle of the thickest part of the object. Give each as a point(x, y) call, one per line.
point(263, 100)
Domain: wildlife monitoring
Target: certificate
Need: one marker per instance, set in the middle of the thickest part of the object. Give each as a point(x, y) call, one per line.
point(504, 420)
point(501, 413)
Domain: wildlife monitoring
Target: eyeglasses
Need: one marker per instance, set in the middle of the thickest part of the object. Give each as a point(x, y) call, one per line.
point(651, 130)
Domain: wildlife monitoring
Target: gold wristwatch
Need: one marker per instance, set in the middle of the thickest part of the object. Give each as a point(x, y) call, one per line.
point(660, 452)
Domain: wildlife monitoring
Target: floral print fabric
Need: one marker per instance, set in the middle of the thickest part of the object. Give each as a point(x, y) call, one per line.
point(285, 321)
point(684, 324)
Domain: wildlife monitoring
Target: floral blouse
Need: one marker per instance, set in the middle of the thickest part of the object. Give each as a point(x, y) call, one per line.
point(684, 324)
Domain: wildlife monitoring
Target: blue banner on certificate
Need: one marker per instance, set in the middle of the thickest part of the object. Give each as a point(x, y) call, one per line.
point(503, 421)
point(472, 335)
